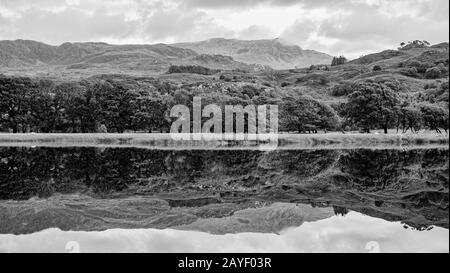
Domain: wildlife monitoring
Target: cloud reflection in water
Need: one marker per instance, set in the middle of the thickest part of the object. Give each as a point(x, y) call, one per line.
point(350, 233)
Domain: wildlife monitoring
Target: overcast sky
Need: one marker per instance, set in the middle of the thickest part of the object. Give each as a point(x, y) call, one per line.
point(349, 27)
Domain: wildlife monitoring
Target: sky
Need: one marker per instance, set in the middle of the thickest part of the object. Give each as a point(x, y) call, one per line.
point(349, 27)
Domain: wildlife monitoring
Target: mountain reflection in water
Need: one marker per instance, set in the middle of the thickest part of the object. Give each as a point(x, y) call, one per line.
point(351, 233)
point(343, 199)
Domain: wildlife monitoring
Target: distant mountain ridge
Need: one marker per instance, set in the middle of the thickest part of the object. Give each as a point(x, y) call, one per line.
point(214, 53)
point(274, 53)
point(157, 57)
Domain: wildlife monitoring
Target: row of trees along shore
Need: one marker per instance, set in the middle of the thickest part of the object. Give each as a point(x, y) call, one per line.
point(108, 105)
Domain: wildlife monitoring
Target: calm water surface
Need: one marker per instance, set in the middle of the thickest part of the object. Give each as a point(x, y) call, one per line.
point(89, 200)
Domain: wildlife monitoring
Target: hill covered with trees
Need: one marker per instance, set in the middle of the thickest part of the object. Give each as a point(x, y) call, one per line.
point(405, 89)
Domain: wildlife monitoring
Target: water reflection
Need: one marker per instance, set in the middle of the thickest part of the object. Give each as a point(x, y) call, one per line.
point(352, 233)
point(87, 189)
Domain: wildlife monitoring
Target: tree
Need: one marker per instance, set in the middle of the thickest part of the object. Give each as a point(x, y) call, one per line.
point(306, 114)
point(373, 105)
point(443, 94)
point(84, 109)
point(435, 117)
point(16, 100)
point(410, 118)
point(42, 110)
point(74, 108)
point(65, 112)
point(116, 104)
point(338, 61)
point(436, 94)
point(151, 112)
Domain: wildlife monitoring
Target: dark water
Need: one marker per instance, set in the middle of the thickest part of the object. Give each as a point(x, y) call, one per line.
point(225, 192)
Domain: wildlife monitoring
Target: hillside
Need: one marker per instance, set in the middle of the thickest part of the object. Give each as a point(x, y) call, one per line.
point(39, 59)
point(406, 68)
point(274, 53)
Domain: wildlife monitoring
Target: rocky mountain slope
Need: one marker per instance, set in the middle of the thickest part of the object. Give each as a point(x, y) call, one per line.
point(274, 53)
point(102, 57)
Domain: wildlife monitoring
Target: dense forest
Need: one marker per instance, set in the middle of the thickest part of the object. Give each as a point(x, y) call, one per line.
point(110, 104)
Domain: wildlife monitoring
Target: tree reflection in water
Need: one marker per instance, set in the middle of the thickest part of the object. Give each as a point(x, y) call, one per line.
point(369, 181)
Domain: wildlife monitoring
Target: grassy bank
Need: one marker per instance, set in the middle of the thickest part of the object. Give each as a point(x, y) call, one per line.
point(285, 141)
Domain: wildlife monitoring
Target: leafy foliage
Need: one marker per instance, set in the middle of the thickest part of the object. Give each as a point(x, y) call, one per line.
point(306, 114)
point(343, 89)
point(372, 105)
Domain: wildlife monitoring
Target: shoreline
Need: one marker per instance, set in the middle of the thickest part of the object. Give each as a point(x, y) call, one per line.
point(165, 141)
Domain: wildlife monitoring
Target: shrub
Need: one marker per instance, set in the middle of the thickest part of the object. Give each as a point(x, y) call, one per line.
point(433, 73)
point(424, 67)
point(443, 93)
point(410, 72)
point(343, 89)
point(415, 64)
point(442, 68)
point(444, 87)
point(377, 68)
point(430, 86)
point(225, 78)
point(102, 129)
point(250, 90)
point(314, 79)
point(420, 66)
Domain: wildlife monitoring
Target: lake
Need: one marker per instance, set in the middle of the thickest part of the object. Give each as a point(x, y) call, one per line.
point(141, 200)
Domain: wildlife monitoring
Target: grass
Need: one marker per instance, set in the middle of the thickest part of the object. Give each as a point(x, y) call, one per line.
point(333, 140)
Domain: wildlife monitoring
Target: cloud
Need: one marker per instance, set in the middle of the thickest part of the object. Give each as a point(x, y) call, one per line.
point(176, 25)
point(164, 24)
point(239, 4)
point(371, 26)
point(70, 25)
point(365, 28)
point(255, 32)
point(350, 27)
point(301, 31)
